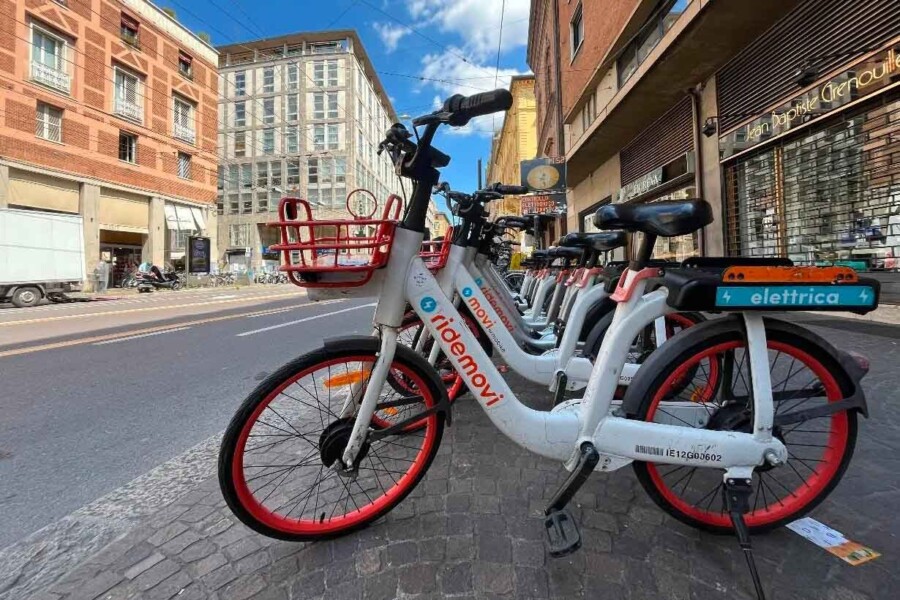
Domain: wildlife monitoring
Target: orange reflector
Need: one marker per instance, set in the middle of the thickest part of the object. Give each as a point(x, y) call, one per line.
point(790, 275)
point(347, 378)
point(390, 411)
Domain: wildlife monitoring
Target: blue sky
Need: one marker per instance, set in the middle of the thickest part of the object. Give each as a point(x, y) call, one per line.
point(424, 50)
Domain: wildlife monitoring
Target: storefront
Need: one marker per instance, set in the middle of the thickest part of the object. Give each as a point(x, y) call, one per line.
point(182, 222)
point(659, 165)
point(811, 162)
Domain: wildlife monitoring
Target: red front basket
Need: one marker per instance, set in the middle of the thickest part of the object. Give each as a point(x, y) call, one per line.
point(332, 253)
point(434, 253)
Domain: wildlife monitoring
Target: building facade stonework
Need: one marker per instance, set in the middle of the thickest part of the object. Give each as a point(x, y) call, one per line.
point(300, 115)
point(109, 111)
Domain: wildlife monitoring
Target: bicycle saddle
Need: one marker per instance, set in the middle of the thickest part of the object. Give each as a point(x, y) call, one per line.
point(667, 218)
point(563, 252)
point(601, 242)
point(517, 222)
point(540, 255)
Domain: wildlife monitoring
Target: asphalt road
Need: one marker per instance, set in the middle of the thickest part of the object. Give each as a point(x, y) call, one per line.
point(94, 395)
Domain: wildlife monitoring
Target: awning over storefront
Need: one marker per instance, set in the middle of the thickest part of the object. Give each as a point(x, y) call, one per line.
point(185, 218)
point(198, 218)
point(171, 217)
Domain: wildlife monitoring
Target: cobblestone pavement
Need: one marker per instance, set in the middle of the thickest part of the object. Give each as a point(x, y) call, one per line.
point(472, 530)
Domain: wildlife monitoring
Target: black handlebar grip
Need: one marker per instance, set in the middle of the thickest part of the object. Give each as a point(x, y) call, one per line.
point(465, 108)
point(510, 190)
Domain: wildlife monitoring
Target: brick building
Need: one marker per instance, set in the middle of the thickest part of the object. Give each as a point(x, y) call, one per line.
point(783, 114)
point(108, 109)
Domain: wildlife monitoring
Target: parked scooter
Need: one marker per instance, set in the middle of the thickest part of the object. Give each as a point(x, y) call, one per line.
point(155, 279)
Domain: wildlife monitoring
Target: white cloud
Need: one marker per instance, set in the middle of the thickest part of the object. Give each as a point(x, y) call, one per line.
point(391, 34)
point(475, 21)
point(450, 75)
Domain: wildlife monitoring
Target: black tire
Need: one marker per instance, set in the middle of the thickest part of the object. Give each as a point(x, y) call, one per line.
point(26, 296)
point(347, 348)
point(176, 285)
point(662, 366)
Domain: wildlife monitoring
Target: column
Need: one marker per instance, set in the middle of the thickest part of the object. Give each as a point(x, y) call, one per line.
point(4, 186)
point(711, 174)
point(88, 208)
point(212, 232)
point(155, 245)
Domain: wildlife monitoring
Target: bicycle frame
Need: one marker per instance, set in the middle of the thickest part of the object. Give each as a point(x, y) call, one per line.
point(558, 434)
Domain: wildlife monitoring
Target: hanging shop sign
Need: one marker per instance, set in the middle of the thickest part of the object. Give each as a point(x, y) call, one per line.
point(641, 185)
point(544, 204)
point(544, 174)
point(198, 255)
point(862, 79)
point(650, 185)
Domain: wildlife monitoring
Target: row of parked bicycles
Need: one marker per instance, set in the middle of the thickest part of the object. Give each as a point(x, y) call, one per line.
point(733, 420)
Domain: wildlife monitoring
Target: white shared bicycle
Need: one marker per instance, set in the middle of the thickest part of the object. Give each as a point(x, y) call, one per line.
point(738, 424)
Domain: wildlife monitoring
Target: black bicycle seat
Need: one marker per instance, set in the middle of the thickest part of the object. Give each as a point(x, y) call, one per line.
point(540, 255)
point(666, 218)
point(601, 242)
point(563, 252)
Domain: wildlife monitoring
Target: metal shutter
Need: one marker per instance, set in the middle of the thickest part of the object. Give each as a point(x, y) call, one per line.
point(666, 139)
point(828, 33)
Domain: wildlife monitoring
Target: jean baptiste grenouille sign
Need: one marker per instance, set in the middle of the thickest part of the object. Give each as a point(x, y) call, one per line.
point(865, 77)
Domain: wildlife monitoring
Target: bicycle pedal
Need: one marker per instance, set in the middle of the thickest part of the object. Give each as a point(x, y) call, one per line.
point(563, 536)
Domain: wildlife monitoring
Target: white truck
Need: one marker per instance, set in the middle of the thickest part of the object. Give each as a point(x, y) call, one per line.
point(41, 256)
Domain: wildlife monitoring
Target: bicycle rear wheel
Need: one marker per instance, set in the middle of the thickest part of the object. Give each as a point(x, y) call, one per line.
point(805, 373)
point(278, 459)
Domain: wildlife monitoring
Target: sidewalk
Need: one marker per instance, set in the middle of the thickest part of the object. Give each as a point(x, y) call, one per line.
point(472, 529)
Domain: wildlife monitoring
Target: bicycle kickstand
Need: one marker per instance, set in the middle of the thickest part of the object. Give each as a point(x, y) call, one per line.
point(736, 494)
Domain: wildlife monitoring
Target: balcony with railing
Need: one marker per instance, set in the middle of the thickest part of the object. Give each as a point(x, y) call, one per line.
point(51, 77)
point(129, 110)
point(184, 133)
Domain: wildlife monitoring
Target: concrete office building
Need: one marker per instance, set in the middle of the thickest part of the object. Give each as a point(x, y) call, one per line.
point(300, 115)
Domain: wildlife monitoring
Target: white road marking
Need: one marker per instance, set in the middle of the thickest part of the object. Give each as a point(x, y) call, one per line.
point(271, 312)
point(224, 297)
point(143, 335)
point(307, 319)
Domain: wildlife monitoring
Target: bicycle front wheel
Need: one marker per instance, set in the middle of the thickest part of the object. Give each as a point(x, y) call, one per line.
point(278, 459)
point(676, 386)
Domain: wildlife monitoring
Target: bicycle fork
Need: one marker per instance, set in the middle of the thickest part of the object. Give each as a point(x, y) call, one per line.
point(366, 408)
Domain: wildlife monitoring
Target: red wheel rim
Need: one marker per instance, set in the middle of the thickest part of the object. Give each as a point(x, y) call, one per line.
point(350, 519)
point(810, 487)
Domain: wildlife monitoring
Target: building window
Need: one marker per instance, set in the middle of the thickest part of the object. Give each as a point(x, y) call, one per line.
point(186, 65)
point(318, 137)
point(268, 141)
point(127, 96)
point(240, 83)
point(184, 165)
point(647, 39)
point(262, 175)
point(239, 234)
point(48, 56)
point(48, 124)
point(291, 141)
point(240, 143)
point(262, 201)
point(332, 140)
point(325, 105)
point(240, 114)
point(313, 175)
point(576, 29)
point(332, 105)
point(221, 174)
point(340, 170)
point(129, 30)
point(275, 175)
point(183, 122)
point(127, 147)
point(269, 110)
point(234, 204)
point(268, 80)
point(293, 174)
point(293, 76)
point(293, 107)
point(325, 73)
